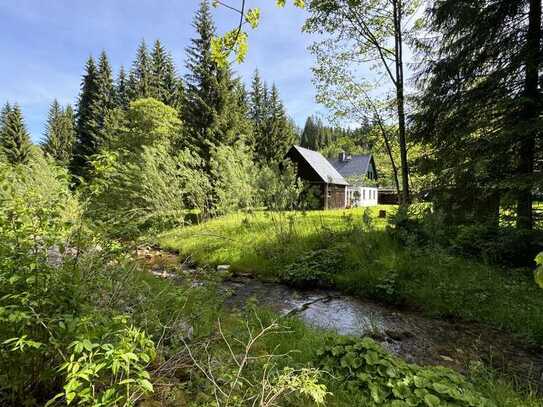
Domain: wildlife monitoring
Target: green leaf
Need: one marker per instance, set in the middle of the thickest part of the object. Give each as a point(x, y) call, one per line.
point(146, 385)
point(432, 401)
point(538, 273)
point(253, 17)
point(539, 259)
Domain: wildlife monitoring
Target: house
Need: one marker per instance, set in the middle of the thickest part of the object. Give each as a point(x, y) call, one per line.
point(361, 174)
point(330, 188)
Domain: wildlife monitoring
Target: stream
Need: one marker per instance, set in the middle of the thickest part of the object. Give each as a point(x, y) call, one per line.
point(410, 335)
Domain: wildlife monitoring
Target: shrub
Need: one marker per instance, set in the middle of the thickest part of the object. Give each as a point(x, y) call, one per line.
point(109, 369)
point(420, 229)
point(54, 331)
point(384, 379)
point(507, 246)
point(234, 178)
point(35, 214)
point(315, 267)
point(278, 187)
point(539, 270)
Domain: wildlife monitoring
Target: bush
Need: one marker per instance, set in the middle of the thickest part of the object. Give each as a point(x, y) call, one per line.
point(384, 379)
point(315, 267)
point(35, 214)
point(278, 187)
point(507, 246)
point(495, 245)
point(233, 176)
point(54, 331)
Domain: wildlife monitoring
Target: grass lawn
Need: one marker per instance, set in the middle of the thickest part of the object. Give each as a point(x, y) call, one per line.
point(342, 249)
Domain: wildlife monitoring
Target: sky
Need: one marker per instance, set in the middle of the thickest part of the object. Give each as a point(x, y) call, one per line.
point(45, 43)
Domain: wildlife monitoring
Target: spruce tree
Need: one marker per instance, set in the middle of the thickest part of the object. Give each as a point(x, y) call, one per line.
point(96, 101)
point(159, 59)
point(310, 132)
point(6, 109)
point(172, 86)
point(121, 90)
point(480, 106)
point(164, 83)
point(59, 133)
point(104, 101)
point(257, 101)
point(52, 137)
point(277, 134)
point(14, 139)
point(3, 114)
point(139, 82)
point(209, 114)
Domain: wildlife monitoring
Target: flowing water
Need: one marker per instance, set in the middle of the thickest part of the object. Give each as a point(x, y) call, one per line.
point(408, 334)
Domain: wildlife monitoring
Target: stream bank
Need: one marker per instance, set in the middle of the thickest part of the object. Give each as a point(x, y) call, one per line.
point(408, 334)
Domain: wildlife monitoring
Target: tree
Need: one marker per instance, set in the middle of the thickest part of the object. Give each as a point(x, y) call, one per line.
point(235, 40)
point(14, 139)
point(122, 98)
point(87, 133)
point(234, 176)
point(96, 101)
point(139, 82)
point(480, 101)
point(211, 112)
point(257, 105)
point(148, 122)
point(277, 135)
point(164, 83)
point(59, 133)
point(372, 32)
point(311, 133)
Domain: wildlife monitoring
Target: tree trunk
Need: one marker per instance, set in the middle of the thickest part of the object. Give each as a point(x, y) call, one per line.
point(390, 156)
point(400, 100)
point(530, 115)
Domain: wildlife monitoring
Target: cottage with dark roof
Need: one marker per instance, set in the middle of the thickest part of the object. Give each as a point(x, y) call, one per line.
point(327, 184)
point(361, 174)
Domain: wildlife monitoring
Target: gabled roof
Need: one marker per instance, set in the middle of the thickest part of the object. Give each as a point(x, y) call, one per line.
point(356, 165)
point(322, 166)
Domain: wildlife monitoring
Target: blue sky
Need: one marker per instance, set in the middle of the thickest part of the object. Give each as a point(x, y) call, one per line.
point(45, 44)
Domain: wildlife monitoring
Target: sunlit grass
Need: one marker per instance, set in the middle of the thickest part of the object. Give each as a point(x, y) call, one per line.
point(235, 239)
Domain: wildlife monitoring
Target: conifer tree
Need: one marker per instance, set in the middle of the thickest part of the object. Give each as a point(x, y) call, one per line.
point(4, 113)
point(139, 82)
point(14, 139)
point(59, 133)
point(95, 103)
point(164, 83)
point(6, 109)
point(258, 101)
point(172, 86)
point(481, 106)
point(209, 113)
point(104, 101)
point(121, 90)
point(277, 134)
point(310, 134)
